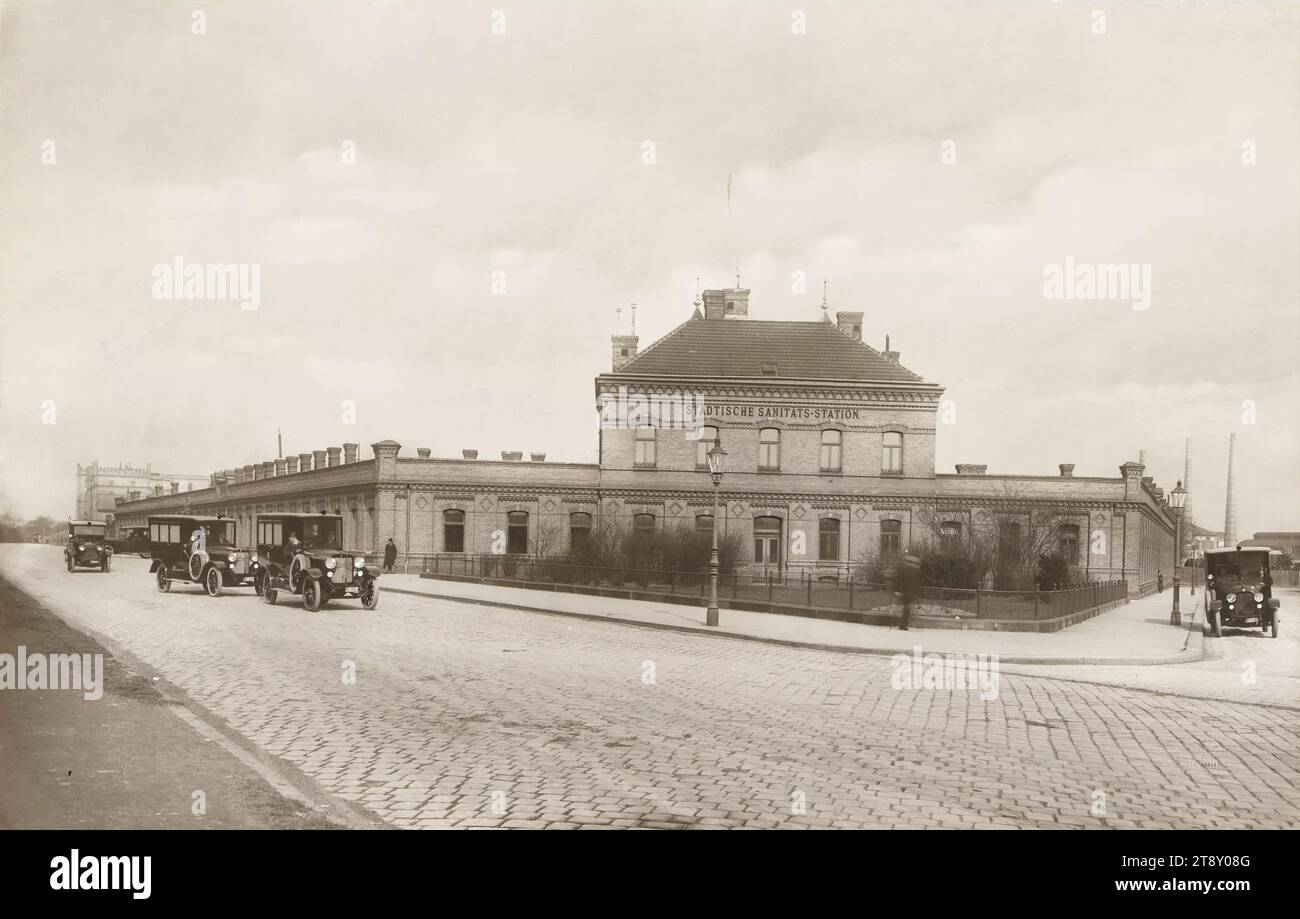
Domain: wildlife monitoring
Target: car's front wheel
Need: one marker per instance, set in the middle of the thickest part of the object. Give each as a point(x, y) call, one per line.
point(164, 582)
point(311, 593)
point(1275, 625)
point(370, 594)
point(268, 592)
point(212, 582)
point(259, 582)
point(71, 566)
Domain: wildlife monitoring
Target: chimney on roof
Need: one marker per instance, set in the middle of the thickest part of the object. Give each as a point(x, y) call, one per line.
point(304, 462)
point(971, 469)
point(469, 454)
point(423, 452)
point(280, 468)
point(624, 348)
point(350, 453)
point(335, 454)
point(318, 457)
point(731, 303)
point(291, 465)
point(537, 457)
point(1067, 470)
point(850, 323)
point(512, 456)
point(887, 354)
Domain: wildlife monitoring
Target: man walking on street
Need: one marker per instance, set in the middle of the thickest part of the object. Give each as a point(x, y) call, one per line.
point(905, 585)
point(390, 555)
point(1160, 582)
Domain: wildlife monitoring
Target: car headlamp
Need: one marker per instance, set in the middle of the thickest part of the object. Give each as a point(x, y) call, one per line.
point(359, 562)
point(331, 563)
point(1259, 598)
point(1232, 598)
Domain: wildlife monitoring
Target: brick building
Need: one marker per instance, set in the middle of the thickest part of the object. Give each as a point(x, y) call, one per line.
point(831, 449)
point(101, 488)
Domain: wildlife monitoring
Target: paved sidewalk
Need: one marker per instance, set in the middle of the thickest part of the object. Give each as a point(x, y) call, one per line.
point(1133, 634)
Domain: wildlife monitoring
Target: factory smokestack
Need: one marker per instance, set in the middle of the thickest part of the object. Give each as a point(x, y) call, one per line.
point(1230, 512)
point(1187, 481)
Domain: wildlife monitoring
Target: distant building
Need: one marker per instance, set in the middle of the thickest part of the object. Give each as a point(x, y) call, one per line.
point(1199, 539)
point(831, 465)
point(1288, 543)
point(101, 488)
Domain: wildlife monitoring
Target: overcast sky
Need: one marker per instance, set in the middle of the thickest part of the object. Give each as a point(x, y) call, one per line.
point(524, 153)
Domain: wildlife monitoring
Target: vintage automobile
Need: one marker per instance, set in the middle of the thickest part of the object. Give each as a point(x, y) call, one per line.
point(88, 545)
point(1239, 589)
point(133, 541)
point(214, 561)
point(303, 554)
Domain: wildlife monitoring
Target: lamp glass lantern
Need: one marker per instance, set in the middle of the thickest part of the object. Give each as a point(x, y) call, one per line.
point(717, 461)
point(1178, 497)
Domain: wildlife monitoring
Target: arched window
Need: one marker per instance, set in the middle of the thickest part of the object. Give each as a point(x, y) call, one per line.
point(950, 534)
point(517, 532)
point(769, 450)
point(708, 437)
point(832, 444)
point(645, 447)
point(643, 531)
point(891, 457)
point(580, 531)
point(453, 531)
point(704, 524)
point(891, 538)
point(1067, 543)
point(828, 540)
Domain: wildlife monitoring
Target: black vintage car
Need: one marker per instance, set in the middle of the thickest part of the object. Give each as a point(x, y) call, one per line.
point(133, 541)
point(1239, 590)
point(88, 545)
point(303, 554)
point(212, 559)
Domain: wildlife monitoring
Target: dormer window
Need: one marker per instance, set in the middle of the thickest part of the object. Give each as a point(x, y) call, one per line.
point(768, 370)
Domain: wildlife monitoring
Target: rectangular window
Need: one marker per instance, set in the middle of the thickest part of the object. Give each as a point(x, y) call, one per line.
point(769, 450)
point(517, 533)
point(1067, 544)
point(832, 444)
point(828, 543)
point(891, 459)
point(580, 532)
point(453, 531)
point(891, 538)
point(645, 447)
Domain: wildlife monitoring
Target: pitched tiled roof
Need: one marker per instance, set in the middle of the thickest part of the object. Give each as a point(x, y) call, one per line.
point(746, 347)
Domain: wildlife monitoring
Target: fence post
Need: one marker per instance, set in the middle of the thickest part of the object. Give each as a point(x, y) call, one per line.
point(810, 580)
point(977, 600)
point(850, 591)
point(768, 576)
point(1035, 603)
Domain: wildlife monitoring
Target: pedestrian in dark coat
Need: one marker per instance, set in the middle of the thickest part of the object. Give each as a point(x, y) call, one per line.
point(1160, 582)
point(906, 583)
point(390, 554)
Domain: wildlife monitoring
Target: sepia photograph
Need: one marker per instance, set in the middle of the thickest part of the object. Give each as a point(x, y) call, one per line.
point(654, 414)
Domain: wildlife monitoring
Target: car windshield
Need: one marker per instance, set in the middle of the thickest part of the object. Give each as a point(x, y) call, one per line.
point(88, 530)
point(1244, 567)
point(320, 533)
point(219, 534)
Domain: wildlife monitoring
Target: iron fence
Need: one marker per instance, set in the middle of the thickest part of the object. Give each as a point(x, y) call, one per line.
point(774, 591)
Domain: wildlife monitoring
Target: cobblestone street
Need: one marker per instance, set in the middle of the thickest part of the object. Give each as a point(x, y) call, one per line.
point(472, 716)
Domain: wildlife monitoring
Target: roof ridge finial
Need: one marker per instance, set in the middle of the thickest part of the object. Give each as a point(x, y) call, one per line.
point(697, 301)
point(826, 306)
point(633, 318)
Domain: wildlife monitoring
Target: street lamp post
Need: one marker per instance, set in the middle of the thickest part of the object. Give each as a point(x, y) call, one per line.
point(717, 464)
point(1177, 498)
